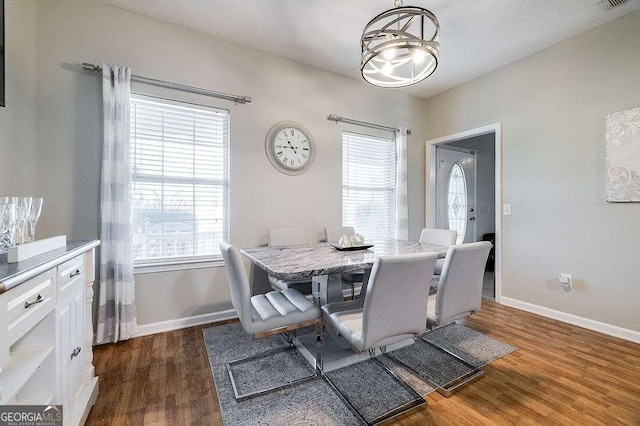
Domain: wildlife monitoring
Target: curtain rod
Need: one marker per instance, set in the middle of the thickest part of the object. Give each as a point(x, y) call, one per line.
point(337, 118)
point(239, 99)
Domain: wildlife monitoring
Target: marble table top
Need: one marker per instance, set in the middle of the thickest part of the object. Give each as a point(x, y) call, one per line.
point(304, 261)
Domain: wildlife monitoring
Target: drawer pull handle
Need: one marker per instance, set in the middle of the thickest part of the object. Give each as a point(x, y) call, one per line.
point(75, 274)
point(28, 304)
point(75, 352)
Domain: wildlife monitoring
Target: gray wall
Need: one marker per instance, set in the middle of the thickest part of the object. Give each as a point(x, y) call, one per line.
point(485, 180)
point(552, 106)
point(17, 119)
point(69, 133)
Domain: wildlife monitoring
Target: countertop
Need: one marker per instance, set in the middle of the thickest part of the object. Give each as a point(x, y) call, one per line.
point(14, 274)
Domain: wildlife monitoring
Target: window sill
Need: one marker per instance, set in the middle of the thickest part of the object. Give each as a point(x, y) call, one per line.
point(153, 268)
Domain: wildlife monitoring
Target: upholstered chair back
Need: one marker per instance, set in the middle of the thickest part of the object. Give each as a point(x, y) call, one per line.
point(460, 287)
point(441, 237)
point(395, 304)
point(333, 234)
point(285, 237)
point(238, 282)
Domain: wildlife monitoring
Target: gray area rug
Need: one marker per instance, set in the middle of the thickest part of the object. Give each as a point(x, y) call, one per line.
point(371, 389)
point(476, 348)
point(311, 403)
point(421, 386)
point(259, 373)
point(367, 385)
point(437, 366)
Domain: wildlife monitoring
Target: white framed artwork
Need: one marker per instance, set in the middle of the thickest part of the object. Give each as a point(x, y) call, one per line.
point(623, 156)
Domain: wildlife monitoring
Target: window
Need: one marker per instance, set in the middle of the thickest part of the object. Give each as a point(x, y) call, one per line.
point(457, 202)
point(180, 185)
point(369, 185)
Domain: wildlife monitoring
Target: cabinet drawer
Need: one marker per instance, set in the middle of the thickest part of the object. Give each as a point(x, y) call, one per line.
point(29, 303)
point(70, 276)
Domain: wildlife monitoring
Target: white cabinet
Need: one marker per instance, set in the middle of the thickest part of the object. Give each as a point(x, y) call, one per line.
point(70, 313)
point(46, 335)
point(71, 331)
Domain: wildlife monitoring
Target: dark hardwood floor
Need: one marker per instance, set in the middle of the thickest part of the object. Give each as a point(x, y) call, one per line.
point(560, 374)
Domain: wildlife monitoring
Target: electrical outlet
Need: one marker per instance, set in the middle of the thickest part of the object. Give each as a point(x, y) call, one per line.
point(566, 282)
point(506, 210)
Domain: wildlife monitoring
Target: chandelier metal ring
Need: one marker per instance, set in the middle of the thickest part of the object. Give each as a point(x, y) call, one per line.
point(400, 47)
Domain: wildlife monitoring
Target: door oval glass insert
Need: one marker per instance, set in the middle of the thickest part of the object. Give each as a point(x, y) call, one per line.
point(457, 201)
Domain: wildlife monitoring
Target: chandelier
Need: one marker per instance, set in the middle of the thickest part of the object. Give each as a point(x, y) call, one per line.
point(400, 46)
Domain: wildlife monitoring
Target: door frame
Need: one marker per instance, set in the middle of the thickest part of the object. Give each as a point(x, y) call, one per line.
point(430, 220)
point(475, 182)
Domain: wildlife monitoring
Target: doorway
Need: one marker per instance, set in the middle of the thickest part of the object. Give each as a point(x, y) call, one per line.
point(456, 191)
point(464, 183)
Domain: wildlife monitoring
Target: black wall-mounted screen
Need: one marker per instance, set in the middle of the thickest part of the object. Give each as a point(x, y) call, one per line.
point(1, 52)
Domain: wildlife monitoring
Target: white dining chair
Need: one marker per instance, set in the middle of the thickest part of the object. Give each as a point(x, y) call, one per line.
point(288, 237)
point(441, 237)
point(333, 235)
point(393, 310)
point(459, 292)
point(285, 237)
point(458, 295)
point(264, 315)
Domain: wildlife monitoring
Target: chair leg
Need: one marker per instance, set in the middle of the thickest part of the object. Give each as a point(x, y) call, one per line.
point(448, 388)
point(416, 402)
point(319, 347)
point(290, 336)
point(243, 397)
point(452, 386)
point(344, 399)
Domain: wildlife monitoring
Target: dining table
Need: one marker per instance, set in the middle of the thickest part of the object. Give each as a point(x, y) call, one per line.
point(324, 263)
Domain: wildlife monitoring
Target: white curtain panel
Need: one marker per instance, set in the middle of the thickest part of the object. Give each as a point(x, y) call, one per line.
point(402, 201)
point(116, 304)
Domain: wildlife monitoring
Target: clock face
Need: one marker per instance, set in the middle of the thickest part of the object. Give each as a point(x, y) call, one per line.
point(290, 148)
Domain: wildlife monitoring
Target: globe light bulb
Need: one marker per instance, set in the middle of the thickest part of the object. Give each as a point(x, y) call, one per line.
point(387, 69)
point(389, 54)
point(419, 56)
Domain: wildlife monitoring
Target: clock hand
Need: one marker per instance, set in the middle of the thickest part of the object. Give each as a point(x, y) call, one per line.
point(294, 150)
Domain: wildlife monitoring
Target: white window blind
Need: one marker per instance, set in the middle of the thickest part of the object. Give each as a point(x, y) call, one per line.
point(180, 184)
point(368, 185)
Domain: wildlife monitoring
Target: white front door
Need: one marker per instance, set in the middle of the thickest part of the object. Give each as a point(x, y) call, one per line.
point(456, 192)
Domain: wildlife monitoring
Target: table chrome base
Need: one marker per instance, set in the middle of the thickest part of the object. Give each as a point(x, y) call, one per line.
point(243, 397)
point(327, 288)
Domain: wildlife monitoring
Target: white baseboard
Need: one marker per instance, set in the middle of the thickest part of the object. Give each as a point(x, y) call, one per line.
point(611, 330)
point(177, 324)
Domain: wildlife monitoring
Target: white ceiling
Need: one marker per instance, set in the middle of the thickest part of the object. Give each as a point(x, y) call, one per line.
point(477, 36)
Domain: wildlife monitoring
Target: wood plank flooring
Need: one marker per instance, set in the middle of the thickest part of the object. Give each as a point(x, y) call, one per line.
point(560, 374)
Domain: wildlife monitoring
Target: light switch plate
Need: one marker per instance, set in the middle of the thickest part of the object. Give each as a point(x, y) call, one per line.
point(506, 209)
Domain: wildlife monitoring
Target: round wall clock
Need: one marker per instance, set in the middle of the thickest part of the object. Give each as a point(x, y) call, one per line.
point(290, 148)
